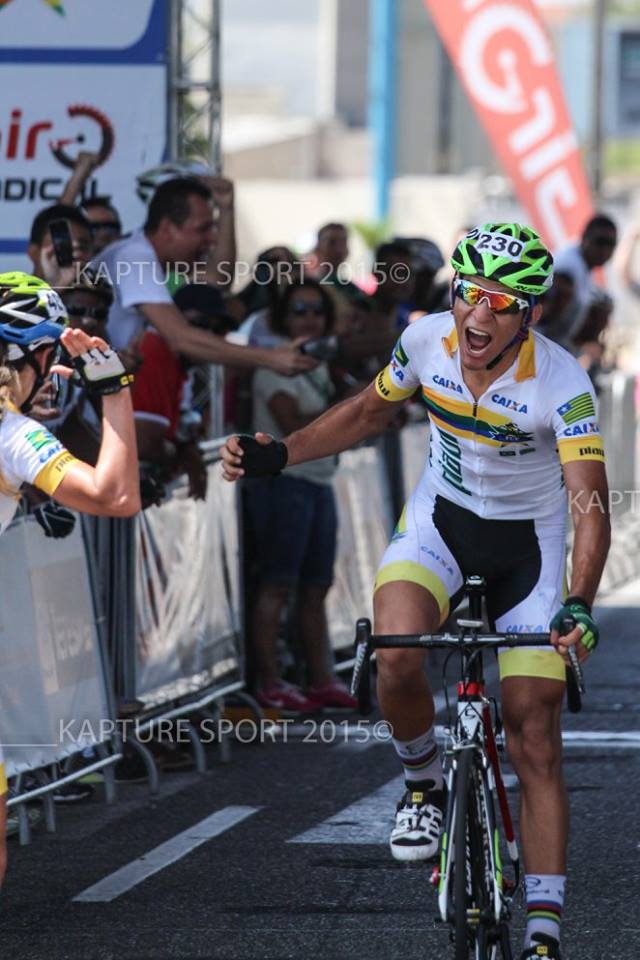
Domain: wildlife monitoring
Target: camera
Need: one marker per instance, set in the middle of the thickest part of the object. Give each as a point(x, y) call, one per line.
point(322, 348)
point(62, 242)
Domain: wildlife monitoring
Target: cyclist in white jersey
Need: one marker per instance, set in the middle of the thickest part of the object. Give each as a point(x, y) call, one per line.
point(32, 329)
point(513, 431)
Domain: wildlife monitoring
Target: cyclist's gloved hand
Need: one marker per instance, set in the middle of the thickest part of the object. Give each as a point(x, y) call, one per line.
point(100, 371)
point(578, 610)
point(55, 520)
point(262, 459)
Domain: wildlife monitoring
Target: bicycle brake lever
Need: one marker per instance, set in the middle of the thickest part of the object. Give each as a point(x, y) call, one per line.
point(569, 624)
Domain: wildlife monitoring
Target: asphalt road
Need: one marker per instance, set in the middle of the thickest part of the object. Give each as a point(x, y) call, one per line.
point(287, 854)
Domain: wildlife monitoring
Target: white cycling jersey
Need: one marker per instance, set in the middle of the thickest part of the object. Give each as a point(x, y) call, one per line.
point(499, 456)
point(29, 453)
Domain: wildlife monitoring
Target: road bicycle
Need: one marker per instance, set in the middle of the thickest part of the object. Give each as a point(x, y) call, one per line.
point(475, 895)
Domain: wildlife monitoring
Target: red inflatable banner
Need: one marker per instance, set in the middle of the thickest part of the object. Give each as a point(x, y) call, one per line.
point(505, 60)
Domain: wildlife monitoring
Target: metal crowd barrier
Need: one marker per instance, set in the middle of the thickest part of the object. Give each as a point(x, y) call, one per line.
point(173, 584)
point(54, 684)
point(365, 521)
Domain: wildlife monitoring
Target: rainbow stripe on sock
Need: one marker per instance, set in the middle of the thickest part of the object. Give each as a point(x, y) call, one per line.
point(414, 764)
point(544, 910)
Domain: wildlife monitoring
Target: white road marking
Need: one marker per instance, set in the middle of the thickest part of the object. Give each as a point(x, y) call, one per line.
point(368, 820)
point(162, 856)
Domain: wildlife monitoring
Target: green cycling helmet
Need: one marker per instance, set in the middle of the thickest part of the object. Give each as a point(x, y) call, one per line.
point(510, 253)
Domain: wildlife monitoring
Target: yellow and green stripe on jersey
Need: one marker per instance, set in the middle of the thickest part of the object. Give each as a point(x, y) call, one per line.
point(472, 422)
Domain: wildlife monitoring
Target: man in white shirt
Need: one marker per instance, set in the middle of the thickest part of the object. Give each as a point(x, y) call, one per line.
point(579, 260)
point(177, 236)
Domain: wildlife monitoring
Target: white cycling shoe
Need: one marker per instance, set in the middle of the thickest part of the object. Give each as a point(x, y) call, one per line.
point(419, 817)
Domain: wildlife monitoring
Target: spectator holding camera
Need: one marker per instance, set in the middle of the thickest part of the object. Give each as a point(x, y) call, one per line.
point(42, 252)
point(177, 236)
point(293, 516)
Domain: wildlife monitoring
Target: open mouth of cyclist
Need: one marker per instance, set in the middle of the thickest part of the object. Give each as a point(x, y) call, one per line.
point(477, 341)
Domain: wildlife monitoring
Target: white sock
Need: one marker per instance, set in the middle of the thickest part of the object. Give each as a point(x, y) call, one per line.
point(545, 899)
point(420, 759)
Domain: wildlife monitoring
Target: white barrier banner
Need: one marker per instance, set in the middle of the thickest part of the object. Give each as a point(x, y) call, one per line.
point(188, 593)
point(53, 699)
point(364, 524)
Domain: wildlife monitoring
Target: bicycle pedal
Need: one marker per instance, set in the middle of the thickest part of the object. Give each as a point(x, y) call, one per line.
point(435, 877)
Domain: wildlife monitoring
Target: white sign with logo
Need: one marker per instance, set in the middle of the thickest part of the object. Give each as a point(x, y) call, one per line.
point(108, 98)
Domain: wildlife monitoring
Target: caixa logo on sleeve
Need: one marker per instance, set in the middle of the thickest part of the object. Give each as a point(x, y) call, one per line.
point(26, 138)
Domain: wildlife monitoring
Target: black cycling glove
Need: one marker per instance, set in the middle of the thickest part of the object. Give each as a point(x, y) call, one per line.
point(262, 460)
point(101, 371)
point(55, 520)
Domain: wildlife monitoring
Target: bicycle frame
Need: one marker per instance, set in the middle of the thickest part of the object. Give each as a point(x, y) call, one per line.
point(472, 734)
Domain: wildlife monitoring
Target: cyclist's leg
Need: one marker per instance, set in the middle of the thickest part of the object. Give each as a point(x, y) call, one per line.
point(532, 691)
point(404, 694)
point(416, 579)
point(531, 708)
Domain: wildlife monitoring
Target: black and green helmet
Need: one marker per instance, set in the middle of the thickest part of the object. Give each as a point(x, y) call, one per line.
point(510, 253)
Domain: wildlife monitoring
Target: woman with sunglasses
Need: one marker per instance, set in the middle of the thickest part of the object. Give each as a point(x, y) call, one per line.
point(293, 517)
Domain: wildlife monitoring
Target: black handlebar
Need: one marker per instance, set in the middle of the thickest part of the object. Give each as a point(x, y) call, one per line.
point(366, 643)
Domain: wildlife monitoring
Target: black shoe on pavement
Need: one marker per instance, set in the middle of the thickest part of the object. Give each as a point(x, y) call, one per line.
point(131, 769)
point(546, 947)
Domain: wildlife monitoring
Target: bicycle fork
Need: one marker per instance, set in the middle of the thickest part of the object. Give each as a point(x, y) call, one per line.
point(476, 731)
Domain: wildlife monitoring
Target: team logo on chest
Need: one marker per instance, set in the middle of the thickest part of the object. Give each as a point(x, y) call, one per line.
point(509, 403)
point(447, 384)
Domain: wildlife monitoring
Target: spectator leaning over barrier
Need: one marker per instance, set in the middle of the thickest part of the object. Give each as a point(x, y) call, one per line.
point(167, 433)
point(104, 222)
point(177, 235)
point(32, 327)
point(40, 249)
point(221, 256)
point(293, 517)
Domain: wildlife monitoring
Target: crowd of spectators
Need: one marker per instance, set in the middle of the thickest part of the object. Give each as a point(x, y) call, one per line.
point(298, 337)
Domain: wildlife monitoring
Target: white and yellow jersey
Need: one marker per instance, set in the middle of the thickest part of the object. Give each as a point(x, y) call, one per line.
point(29, 453)
point(499, 456)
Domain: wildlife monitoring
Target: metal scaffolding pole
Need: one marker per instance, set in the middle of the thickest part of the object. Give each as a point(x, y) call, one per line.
point(599, 15)
point(194, 88)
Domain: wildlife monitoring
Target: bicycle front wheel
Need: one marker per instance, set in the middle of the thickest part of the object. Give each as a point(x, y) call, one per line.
point(471, 880)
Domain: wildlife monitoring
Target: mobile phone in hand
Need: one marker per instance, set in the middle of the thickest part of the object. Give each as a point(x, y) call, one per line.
point(322, 348)
point(62, 242)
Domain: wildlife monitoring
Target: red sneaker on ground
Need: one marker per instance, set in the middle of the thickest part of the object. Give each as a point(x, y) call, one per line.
point(334, 696)
point(287, 698)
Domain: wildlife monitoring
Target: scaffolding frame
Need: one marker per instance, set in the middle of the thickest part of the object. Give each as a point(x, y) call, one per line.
point(194, 91)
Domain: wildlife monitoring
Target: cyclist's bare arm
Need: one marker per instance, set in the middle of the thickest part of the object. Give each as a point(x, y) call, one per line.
point(112, 487)
point(586, 483)
point(204, 347)
point(338, 429)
